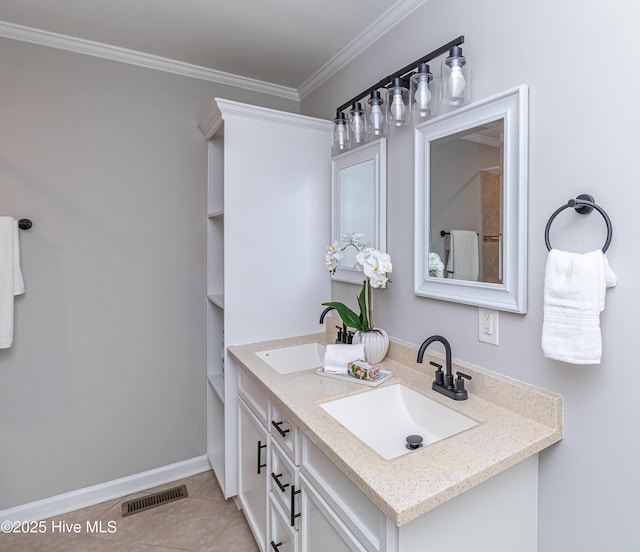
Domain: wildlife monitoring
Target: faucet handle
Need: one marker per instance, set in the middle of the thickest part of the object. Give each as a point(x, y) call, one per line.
point(460, 381)
point(439, 373)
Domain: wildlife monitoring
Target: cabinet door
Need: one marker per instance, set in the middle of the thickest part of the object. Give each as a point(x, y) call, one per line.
point(253, 452)
point(321, 530)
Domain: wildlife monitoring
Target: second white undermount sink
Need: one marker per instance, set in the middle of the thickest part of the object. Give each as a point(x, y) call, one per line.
point(295, 358)
point(384, 417)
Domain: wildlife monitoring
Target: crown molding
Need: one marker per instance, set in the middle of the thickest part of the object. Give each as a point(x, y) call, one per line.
point(360, 43)
point(399, 11)
point(230, 108)
point(132, 57)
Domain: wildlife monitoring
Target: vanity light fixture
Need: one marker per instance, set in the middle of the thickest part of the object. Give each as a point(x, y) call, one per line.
point(376, 114)
point(340, 133)
point(421, 93)
point(398, 112)
point(455, 78)
point(408, 94)
point(358, 124)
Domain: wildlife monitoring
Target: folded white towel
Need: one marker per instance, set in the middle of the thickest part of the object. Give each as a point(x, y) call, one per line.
point(11, 280)
point(574, 295)
point(337, 357)
point(463, 259)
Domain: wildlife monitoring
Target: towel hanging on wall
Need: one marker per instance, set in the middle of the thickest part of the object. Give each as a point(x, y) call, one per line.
point(11, 280)
point(575, 285)
point(574, 295)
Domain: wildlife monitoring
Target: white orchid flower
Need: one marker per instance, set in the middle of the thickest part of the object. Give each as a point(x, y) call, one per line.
point(384, 262)
point(353, 238)
point(364, 256)
point(379, 282)
point(370, 271)
point(333, 256)
point(436, 266)
point(375, 265)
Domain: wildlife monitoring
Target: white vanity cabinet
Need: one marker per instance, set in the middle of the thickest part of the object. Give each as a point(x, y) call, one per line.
point(302, 502)
point(268, 222)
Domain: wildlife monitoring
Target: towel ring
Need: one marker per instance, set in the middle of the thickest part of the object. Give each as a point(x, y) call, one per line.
point(583, 205)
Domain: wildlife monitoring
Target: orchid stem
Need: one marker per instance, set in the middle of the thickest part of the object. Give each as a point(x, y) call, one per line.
point(370, 304)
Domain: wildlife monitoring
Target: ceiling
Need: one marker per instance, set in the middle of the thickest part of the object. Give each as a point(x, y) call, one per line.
point(292, 45)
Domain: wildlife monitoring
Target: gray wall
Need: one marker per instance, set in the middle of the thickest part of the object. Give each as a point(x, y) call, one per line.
point(106, 377)
point(580, 61)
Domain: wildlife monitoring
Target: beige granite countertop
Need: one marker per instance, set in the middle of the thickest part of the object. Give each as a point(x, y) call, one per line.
point(516, 421)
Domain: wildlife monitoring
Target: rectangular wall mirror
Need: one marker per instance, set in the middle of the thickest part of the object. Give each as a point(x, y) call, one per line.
point(471, 204)
point(359, 205)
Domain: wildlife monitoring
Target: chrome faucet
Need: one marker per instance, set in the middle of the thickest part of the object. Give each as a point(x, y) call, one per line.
point(444, 383)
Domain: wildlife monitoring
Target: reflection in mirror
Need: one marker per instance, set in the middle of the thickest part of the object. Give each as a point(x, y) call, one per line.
point(358, 205)
point(357, 211)
point(470, 210)
point(466, 203)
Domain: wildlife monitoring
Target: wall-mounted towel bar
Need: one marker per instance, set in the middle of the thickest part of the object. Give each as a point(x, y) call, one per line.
point(583, 205)
point(24, 224)
point(443, 233)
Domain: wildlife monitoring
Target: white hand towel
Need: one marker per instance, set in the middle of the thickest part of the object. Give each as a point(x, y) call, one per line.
point(11, 280)
point(463, 260)
point(337, 357)
point(574, 295)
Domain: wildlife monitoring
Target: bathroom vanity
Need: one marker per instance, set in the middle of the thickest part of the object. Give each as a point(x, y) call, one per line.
point(306, 483)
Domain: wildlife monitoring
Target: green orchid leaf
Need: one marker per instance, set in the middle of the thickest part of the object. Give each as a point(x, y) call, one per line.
point(362, 303)
point(349, 317)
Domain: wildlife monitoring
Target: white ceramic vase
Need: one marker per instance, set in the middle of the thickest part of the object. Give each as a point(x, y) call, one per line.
point(376, 344)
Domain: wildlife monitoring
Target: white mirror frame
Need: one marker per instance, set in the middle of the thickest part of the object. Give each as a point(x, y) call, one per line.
point(511, 295)
point(376, 151)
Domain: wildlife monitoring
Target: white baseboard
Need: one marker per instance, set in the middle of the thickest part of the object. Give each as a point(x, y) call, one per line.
point(88, 496)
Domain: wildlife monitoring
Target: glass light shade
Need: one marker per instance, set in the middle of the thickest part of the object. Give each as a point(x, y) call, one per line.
point(456, 78)
point(421, 94)
point(398, 100)
point(358, 124)
point(340, 134)
point(377, 114)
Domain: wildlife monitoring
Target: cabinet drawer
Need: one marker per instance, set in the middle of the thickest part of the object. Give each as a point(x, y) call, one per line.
point(281, 536)
point(285, 434)
point(254, 396)
point(352, 506)
point(283, 478)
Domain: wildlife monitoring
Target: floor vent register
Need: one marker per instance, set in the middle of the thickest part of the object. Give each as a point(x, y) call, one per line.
point(153, 500)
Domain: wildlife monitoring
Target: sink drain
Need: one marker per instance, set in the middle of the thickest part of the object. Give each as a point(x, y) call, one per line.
point(414, 442)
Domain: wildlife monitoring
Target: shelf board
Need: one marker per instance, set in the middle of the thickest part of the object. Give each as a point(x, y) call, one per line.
point(216, 213)
point(216, 381)
point(217, 299)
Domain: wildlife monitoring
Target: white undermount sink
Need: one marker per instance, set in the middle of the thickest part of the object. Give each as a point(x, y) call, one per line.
point(384, 417)
point(295, 358)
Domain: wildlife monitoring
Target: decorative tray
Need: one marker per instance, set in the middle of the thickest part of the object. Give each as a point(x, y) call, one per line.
point(383, 375)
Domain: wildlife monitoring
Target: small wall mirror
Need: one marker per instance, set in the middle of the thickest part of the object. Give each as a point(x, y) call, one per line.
point(471, 204)
point(359, 205)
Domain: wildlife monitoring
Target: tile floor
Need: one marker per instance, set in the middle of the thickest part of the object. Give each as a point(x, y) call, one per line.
point(202, 522)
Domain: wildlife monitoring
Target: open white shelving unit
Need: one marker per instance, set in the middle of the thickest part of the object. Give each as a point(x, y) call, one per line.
point(268, 225)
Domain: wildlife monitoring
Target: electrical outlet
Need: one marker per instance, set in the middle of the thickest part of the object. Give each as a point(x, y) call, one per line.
point(488, 325)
